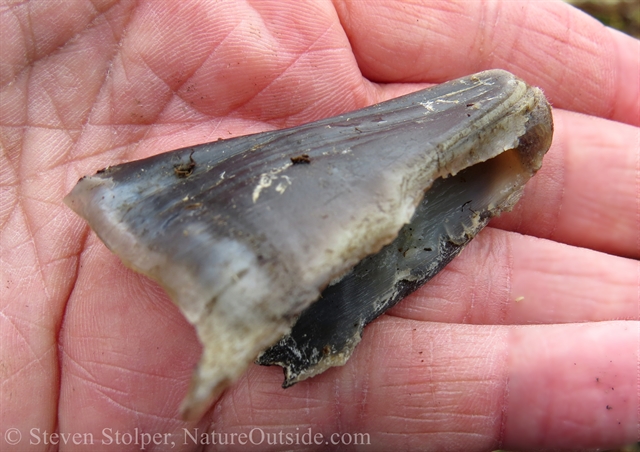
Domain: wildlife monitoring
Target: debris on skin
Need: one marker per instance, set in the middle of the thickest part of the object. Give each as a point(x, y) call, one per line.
point(183, 170)
point(302, 158)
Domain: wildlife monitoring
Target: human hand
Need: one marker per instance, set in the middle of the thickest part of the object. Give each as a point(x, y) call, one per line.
point(528, 340)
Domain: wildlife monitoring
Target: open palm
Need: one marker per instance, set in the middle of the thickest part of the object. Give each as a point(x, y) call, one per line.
point(88, 345)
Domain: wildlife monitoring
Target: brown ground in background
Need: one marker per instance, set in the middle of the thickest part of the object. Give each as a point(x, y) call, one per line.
point(623, 15)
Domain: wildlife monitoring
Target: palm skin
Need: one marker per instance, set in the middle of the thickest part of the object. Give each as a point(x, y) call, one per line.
point(528, 340)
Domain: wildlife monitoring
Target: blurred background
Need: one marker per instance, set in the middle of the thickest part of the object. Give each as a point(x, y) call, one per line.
point(623, 15)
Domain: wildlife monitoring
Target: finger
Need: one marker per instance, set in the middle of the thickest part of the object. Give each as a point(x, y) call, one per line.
point(126, 354)
point(508, 278)
point(580, 64)
point(572, 387)
point(587, 192)
point(423, 386)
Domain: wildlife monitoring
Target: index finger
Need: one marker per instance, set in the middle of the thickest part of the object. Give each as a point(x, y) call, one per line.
point(580, 64)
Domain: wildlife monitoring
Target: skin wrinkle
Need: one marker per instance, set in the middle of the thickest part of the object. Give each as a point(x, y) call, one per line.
point(111, 400)
point(470, 308)
point(232, 411)
point(81, 371)
point(114, 35)
point(458, 13)
point(52, 104)
point(8, 182)
point(308, 399)
point(40, 126)
point(116, 155)
point(581, 274)
point(130, 371)
point(24, 368)
point(173, 94)
point(509, 285)
point(612, 110)
point(213, 132)
point(32, 241)
point(586, 44)
point(35, 361)
point(365, 382)
point(542, 34)
point(570, 39)
point(337, 406)
point(517, 48)
point(251, 405)
point(22, 35)
point(20, 152)
point(54, 161)
point(343, 14)
point(492, 252)
point(561, 170)
point(563, 39)
point(47, 295)
point(511, 56)
point(210, 55)
point(4, 217)
point(504, 403)
point(102, 84)
point(356, 97)
point(75, 149)
point(289, 65)
point(618, 76)
point(304, 53)
point(13, 6)
point(629, 106)
point(36, 230)
point(574, 146)
point(481, 31)
point(465, 416)
point(63, 358)
point(112, 94)
point(104, 390)
point(32, 54)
